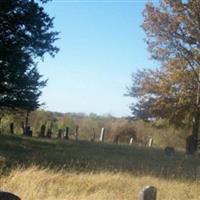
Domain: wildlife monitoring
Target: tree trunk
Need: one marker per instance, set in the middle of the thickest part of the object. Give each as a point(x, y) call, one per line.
point(26, 123)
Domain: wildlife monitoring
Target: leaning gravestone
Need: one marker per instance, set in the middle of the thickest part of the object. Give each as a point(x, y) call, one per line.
point(150, 143)
point(148, 193)
point(131, 141)
point(169, 151)
point(8, 196)
point(101, 139)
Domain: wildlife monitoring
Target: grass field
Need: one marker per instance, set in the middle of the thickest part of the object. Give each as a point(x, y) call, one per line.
point(46, 169)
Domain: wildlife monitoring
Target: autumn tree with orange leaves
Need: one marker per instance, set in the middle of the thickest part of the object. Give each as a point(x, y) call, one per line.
point(171, 91)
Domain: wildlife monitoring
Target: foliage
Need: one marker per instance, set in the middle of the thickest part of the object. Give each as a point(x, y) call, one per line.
point(25, 34)
point(172, 91)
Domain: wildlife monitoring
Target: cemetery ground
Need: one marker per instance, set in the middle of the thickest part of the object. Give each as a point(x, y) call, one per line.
point(52, 169)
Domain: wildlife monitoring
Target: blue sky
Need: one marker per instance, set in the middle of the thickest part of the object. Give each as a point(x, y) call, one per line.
point(101, 44)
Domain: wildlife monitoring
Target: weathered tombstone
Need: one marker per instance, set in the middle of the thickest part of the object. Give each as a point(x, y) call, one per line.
point(12, 128)
point(49, 133)
point(66, 133)
point(29, 131)
point(8, 196)
point(59, 133)
point(23, 128)
point(76, 132)
point(101, 139)
point(169, 151)
point(94, 135)
point(131, 141)
point(42, 131)
point(116, 139)
point(190, 145)
point(148, 193)
point(150, 143)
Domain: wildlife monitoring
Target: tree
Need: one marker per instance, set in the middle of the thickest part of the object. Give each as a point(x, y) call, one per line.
point(25, 34)
point(172, 91)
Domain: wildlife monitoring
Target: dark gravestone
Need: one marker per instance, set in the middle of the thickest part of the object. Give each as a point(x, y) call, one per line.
point(148, 193)
point(66, 133)
point(116, 139)
point(42, 131)
point(190, 145)
point(29, 131)
point(49, 133)
point(169, 151)
point(12, 128)
point(93, 136)
point(76, 132)
point(8, 196)
point(59, 133)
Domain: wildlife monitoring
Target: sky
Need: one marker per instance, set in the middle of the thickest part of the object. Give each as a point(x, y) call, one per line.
point(101, 44)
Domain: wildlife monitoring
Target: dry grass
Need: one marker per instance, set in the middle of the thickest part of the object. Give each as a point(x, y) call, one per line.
point(41, 169)
point(45, 184)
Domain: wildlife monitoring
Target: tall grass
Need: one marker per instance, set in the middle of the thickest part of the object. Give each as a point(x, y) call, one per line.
point(67, 170)
point(35, 183)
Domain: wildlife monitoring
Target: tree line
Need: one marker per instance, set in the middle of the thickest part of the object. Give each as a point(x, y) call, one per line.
point(117, 130)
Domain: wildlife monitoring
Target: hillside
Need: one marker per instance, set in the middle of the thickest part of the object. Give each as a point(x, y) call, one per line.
point(50, 169)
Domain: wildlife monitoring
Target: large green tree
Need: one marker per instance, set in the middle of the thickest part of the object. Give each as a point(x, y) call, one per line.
point(172, 91)
point(25, 35)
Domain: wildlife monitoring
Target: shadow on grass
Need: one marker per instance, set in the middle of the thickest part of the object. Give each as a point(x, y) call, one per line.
point(88, 156)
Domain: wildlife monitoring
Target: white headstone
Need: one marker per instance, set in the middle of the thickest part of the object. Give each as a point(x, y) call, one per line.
point(131, 141)
point(101, 139)
point(150, 142)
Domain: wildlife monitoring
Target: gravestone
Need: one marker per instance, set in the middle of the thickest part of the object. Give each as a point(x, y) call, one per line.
point(42, 131)
point(116, 139)
point(66, 133)
point(23, 128)
point(49, 133)
point(29, 131)
point(59, 133)
point(150, 143)
point(101, 139)
point(131, 141)
point(76, 132)
point(190, 145)
point(12, 128)
point(148, 193)
point(8, 196)
point(169, 151)
point(94, 135)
